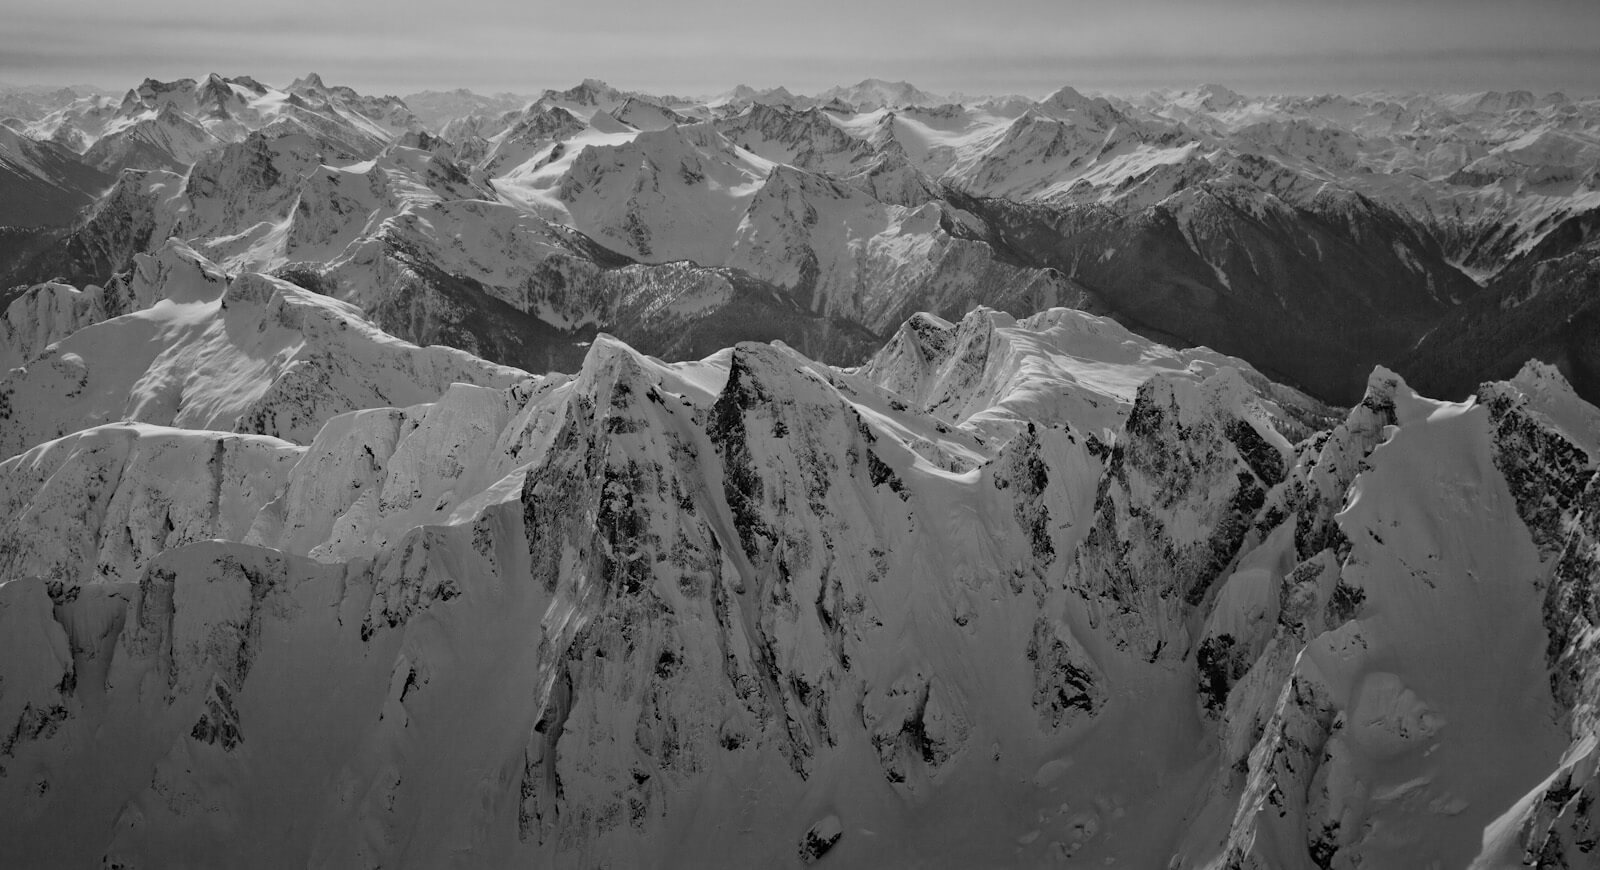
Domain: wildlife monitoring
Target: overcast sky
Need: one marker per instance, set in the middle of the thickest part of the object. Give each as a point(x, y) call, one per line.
point(704, 46)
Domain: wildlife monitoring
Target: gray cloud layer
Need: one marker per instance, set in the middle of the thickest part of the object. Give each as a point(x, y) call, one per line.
point(697, 46)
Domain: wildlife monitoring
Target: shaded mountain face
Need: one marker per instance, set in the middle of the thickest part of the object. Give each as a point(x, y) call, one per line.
point(1542, 304)
point(1013, 591)
point(1312, 293)
point(43, 184)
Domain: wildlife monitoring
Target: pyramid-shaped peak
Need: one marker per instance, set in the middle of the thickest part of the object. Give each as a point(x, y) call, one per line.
point(310, 82)
point(1068, 97)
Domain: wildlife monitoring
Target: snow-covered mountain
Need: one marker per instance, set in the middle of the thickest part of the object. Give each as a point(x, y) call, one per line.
point(1314, 236)
point(169, 125)
point(869, 94)
point(865, 478)
point(435, 109)
point(20, 104)
point(1015, 592)
point(203, 349)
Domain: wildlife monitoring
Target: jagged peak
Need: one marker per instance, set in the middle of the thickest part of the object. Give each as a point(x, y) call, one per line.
point(1383, 384)
point(784, 180)
point(636, 100)
point(986, 318)
point(420, 140)
point(924, 339)
point(174, 272)
point(1546, 392)
point(1069, 102)
point(758, 110)
point(587, 92)
point(1219, 94)
point(613, 370)
point(1222, 396)
point(758, 369)
point(976, 328)
point(607, 352)
point(924, 321)
point(1387, 389)
point(254, 288)
point(892, 93)
point(541, 121)
point(1066, 95)
point(309, 82)
point(155, 86)
point(1538, 375)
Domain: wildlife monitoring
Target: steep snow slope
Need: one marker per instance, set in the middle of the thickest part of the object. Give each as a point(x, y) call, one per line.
point(642, 114)
point(757, 609)
point(840, 250)
point(689, 193)
point(97, 505)
point(210, 351)
point(667, 195)
point(44, 314)
point(991, 372)
point(1409, 759)
point(538, 127)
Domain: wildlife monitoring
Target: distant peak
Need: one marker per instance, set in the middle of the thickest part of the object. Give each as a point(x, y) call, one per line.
point(1067, 95)
point(876, 82)
point(311, 81)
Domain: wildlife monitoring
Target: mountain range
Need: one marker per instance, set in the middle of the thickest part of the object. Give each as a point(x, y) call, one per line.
point(1314, 236)
point(868, 478)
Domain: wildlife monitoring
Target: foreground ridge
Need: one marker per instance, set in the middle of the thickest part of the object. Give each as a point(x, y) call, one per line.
point(1011, 592)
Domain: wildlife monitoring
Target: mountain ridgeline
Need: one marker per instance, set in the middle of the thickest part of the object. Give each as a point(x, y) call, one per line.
point(1445, 236)
point(867, 479)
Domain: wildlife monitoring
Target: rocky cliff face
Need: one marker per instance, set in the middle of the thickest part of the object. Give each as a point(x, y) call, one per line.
point(756, 607)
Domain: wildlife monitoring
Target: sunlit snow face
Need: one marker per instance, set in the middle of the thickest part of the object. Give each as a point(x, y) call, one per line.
point(697, 46)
